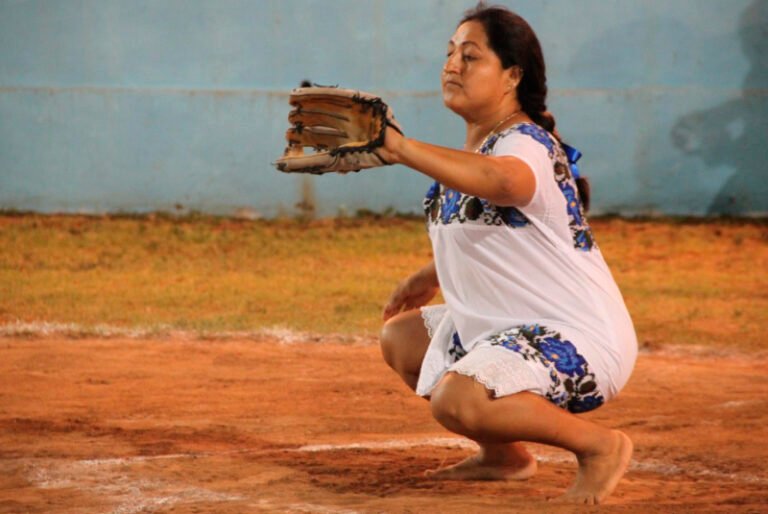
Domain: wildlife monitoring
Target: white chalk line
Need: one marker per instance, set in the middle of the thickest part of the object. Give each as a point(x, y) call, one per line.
point(311, 508)
point(394, 444)
point(280, 334)
point(734, 404)
point(109, 477)
point(286, 335)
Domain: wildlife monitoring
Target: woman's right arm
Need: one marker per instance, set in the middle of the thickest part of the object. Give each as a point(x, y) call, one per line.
point(506, 181)
point(413, 292)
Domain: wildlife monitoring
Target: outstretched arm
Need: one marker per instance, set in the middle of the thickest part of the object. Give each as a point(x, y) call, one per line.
point(413, 292)
point(503, 181)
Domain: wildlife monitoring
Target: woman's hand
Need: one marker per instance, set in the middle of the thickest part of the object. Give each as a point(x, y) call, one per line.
point(393, 140)
point(414, 292)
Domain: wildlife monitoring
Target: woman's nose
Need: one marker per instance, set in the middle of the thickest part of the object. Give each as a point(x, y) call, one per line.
point(452, 64)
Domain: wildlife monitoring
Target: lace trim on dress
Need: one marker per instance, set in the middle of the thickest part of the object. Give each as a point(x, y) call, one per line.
point(502, 374)
point(432, 315)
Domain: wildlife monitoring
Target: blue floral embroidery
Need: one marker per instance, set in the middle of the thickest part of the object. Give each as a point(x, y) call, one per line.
point(537, 133)
point(445, 205)
point(457, 351)
point(533, 330)
point(511, 344)
point(584, 240)
point(489, 144)
point(432, 202)
point(567, 360)
point(573, 385)
point(580, 229)
point(585, 404)
point(434, 190)
point(513, 217)
point(450, 206)
point(573, 203)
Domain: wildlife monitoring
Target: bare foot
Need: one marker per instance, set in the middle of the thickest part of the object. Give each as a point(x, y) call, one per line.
point(600, 473)
point(493, 462)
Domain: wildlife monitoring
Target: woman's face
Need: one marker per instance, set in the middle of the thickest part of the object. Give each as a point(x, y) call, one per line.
point(473, 80)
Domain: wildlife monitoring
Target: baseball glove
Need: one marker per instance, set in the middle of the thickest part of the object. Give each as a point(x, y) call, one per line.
point(345, 127)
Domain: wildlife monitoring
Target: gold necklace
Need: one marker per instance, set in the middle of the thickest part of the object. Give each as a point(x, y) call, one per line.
point(493, 130)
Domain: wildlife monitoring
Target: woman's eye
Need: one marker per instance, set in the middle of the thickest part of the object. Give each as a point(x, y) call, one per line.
point(469, 57)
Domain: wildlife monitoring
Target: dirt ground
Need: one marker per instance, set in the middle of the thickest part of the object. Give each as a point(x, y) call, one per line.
point(231, 426)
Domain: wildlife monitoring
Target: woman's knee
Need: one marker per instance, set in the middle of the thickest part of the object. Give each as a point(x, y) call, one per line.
point(456, 404)
point(388, 342)
point(404, 340)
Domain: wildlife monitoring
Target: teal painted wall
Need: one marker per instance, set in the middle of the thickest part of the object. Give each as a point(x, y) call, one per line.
point(131, 105)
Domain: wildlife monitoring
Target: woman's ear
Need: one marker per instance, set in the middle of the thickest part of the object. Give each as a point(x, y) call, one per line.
point(514, 76)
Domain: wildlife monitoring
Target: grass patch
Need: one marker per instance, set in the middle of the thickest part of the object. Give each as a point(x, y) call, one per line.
point(685, 282)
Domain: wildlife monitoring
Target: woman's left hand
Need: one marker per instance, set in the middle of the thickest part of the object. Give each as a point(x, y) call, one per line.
point(413, 292)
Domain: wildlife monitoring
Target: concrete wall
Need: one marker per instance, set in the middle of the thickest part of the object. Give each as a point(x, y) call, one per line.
point(136, 105)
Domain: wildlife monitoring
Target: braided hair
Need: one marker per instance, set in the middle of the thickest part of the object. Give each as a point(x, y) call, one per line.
point(515, 43)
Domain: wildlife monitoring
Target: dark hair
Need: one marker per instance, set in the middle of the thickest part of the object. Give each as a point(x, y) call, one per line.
point(516, 44)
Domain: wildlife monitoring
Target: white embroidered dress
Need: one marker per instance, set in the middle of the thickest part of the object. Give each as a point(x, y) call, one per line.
point(530, 304)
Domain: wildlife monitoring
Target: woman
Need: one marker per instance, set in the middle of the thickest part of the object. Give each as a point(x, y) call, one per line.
point(534, 329)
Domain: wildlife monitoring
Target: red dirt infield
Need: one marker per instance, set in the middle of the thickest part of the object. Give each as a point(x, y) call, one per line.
point(230, 426)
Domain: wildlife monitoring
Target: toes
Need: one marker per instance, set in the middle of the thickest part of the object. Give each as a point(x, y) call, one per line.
point(575, 498)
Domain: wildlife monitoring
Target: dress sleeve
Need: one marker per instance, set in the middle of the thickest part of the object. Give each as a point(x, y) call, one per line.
point(536, 156)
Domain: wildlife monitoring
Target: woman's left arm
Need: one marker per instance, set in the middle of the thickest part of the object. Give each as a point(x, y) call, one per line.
point(503, 181)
